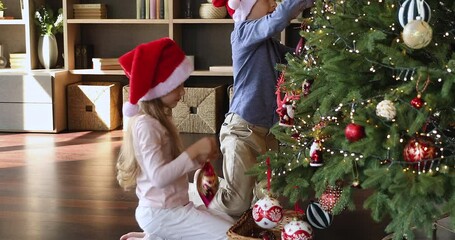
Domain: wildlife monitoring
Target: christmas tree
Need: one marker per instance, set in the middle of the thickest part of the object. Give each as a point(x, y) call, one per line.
point(367, 102)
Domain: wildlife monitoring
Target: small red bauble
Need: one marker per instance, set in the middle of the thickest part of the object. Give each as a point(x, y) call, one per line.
point(354, 132)
point(417, 102)
point(267, 212)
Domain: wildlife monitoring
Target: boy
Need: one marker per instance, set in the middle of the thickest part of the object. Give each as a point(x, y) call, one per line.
point(244, 134)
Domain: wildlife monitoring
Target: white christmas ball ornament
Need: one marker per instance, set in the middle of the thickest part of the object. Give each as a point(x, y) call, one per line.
point(297, 230)
point(417, 34)
point(267, 212)
point(386, 109)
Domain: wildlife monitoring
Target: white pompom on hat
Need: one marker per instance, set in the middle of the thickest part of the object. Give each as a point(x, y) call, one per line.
point(154, 69)
point(238, 9)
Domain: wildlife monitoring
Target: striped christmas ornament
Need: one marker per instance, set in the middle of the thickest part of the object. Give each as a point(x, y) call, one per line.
point(412, 9)
point(317, 217)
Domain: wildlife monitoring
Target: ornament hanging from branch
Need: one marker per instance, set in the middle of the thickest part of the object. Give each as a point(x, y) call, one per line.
point(354, 132)
point(420, 152)
point(417, 34)
point(316, 154)
point(412, 10)
point(386, 109)
point(330, 197)
point(285, 105)
point(317, 216)
point(418, 102)
point(297, 229)
point(267, 212)
point(300, 48)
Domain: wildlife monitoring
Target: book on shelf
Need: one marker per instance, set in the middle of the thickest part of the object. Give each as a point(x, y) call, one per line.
point(220, 68)
point(90, 6)
point(152, 9)
point(106, 60)
point(89, 11)
point(90, 16)
point(83, 54)
point(17, 55)
point(106, 64)
point(107, 67)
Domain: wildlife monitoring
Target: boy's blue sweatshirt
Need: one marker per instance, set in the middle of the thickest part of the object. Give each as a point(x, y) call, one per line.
point(255, 54)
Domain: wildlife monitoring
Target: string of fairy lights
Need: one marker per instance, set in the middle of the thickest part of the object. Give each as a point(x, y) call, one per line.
point(444, 143)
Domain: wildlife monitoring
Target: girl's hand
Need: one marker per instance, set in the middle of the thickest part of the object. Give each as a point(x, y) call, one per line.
point(204, 149)
point(133, 236)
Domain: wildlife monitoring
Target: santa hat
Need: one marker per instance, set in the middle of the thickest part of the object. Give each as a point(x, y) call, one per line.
point(154, 69)
point(238, 9)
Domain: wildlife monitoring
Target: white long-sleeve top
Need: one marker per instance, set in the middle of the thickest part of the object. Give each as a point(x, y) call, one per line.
point(163, 181)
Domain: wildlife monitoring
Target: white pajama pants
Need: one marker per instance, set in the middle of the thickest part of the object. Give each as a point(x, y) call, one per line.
point(186, 222)
point(241, 144)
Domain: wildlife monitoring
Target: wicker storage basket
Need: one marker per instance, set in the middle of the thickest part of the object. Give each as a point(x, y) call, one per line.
point(201, 110)
point(207, 10)
point(246, 229)
point(94, 106)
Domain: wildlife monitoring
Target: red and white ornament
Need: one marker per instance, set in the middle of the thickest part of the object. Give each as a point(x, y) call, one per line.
point(316, 154)
point(207, 183)
point(287, 112)
point(419, 149)
point(267, 212)
point(330, 197)
point(297, 230)
point(354, 132)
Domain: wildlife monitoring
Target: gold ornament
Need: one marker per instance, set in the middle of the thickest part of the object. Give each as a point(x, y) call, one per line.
point(417, 34)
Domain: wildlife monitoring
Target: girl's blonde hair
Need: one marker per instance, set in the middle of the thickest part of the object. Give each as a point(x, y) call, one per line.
point(127, 166)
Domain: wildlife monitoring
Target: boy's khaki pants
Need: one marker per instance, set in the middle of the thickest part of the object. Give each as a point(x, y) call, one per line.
point(241, 143)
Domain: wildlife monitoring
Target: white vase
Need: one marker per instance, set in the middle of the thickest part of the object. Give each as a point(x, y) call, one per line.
point(47, 51)
point(1, 13)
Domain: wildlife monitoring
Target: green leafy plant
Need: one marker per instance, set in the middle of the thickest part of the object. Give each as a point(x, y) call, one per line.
point(2, 7)
point(47, 22)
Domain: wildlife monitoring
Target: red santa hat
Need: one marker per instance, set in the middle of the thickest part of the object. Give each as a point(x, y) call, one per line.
point(154, 69)
point(238, 9)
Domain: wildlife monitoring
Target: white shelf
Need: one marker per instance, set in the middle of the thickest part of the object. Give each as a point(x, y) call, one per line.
point(120, 72)
point(118, 21)
point(12, 22)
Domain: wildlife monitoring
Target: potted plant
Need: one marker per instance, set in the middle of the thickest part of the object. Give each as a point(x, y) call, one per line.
point(2, 9)
point(48, 25)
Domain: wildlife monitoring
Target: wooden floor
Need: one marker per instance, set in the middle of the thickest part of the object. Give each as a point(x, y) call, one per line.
point(62, 186)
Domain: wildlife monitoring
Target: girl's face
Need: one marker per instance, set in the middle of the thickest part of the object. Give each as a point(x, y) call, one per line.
point(171, 99)
point(261, 8)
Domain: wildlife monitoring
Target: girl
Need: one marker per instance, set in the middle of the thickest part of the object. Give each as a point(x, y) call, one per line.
point(151, 157)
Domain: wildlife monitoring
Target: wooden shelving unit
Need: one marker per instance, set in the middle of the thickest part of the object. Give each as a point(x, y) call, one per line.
point(208, 40)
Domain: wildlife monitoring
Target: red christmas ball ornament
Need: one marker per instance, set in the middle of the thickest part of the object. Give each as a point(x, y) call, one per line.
point(418, 150)
point(267, 212)
point(207, 183)
point(354, 132)
point(417, 102)
point(297, 230)
point(330, 197)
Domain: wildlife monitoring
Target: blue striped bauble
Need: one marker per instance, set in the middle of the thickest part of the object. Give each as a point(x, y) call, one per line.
point(412, 9)
point(317, 217)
